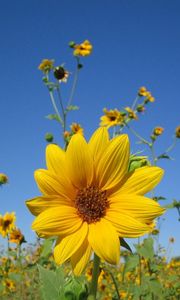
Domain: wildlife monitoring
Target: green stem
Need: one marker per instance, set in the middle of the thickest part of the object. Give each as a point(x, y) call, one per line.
point(137, 135)
point(135, 102)
point(62, 108)
point(151, 146)
point(55, 107)
point(74, 83)
point(171, 146)
point(115, 284)
point(95, 275)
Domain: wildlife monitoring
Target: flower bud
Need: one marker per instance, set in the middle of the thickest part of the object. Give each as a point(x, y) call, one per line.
point(3, 179)
point(137, 162)
point(72, 44)
point(178, 132)
point(49, 137)
point(158, 131)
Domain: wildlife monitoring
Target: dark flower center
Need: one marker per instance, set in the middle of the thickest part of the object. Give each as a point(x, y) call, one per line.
point(91, 204)
point(112, 118)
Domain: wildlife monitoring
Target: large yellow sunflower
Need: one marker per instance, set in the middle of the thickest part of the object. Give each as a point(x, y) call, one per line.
point(90, 200)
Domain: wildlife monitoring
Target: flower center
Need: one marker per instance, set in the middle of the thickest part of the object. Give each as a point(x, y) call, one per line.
point(91, 204)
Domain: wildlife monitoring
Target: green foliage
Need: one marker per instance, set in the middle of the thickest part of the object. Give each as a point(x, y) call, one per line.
point(72, 107)
point(47, 247)
point(146, 250)
point(54, 117)
point(52, 283)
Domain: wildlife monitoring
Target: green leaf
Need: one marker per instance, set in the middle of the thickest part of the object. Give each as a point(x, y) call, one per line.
point(155, 287)
point(54, 117)
point(164, 156)
point(146, 249)
point(75, 289)
point(159, 198)
point(47, 247)
point(171, 205)
point(72, 107)
point(124, 244)
point(131, 263)
point(52, 284)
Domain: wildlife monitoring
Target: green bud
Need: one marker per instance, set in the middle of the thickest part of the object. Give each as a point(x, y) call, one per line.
point(49, 137)
point(79, 66)
point(44, 79)
point(138, 162)
point(72, 44)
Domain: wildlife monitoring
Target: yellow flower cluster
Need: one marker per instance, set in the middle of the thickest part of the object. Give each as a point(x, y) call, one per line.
point(131, 113)
point(143, 92)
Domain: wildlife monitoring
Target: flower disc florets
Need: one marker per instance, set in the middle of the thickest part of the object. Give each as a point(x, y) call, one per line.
point(91, 204)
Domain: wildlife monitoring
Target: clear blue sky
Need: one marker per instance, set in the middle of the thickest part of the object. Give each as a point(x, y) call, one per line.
point(135, 43)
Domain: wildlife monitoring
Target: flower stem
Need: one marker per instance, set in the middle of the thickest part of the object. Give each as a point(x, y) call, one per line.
point(74, 84)
point(95, 275)
point(55, 107)
point(115, 284)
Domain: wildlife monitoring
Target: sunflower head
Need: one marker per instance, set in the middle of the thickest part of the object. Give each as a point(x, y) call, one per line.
point(83, 49)
point(111, 117)
point(7, 223)
point(16, 236)
point(46, 65)
point(90, 200)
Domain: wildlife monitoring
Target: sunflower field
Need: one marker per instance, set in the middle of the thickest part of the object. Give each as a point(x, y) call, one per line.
point(95, 195)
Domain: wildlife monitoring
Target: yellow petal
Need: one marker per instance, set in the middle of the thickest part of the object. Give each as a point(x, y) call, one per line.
point(59, 221)
point(79, 162)
point(48, 184)
point(126, 225)
point(98, 144)
point(104, 240)
point(114, 163)
point(39, 204)
point(70, 244)
point(139, 207)
point(141, 181)
point(81, 257)
point(55, 159)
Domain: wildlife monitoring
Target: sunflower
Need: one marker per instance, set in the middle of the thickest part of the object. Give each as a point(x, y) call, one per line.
point(90, 200)
point(7, 223)
point(111, 117)
point(83, 49)
point(16, 236)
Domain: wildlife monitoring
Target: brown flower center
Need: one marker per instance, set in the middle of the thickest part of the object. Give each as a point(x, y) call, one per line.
point(91, 204)
point(112, 118)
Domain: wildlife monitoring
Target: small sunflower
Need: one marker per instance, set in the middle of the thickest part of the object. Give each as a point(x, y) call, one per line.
point(7, 223)
point(90, 200)
point(76, 128)
point(16, 236)
point(61, 74)
point(111, 117)
point(46, 65)
point(83, 49)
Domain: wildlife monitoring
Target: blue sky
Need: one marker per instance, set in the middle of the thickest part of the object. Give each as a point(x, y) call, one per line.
point(135, 43)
